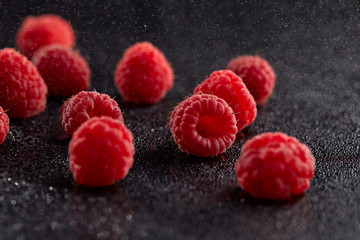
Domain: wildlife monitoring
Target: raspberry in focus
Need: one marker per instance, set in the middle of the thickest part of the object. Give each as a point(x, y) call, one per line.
point(100, 152)
point(47, 29)
point(257, 74)
point(227, 85)
point(64, 71)
point(84, 106)
point(22, 89)
point(143, 75)
point(203, 125)
point(4, 125)
point(274, 166)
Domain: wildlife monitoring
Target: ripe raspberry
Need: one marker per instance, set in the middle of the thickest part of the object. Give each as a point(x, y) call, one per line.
point(101, 151)
point(85, 105)
point(257, 74)
point(22, 89)
point(4, 125)
point(36, 32)
point(203, 125)
point(65, 72)
point(274, 166)
point(143, 75)
point(226, 85)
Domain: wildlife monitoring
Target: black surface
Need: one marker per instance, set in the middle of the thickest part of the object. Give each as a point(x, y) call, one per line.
point(314, 49)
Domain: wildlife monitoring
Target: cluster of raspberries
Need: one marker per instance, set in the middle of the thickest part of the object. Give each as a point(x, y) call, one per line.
point(206, 123)
point(271, 165)
point(101, 149)
point(51, 67)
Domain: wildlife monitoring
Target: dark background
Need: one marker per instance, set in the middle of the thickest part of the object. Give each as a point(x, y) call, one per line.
point(314, 49)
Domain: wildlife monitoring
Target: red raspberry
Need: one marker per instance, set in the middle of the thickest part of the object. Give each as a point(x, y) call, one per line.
point(101, 151)
point(226, 85)
point(85, 105)
point(65, 72)
point(22, 89)
point(257, 74)
point(274, 166)
point(143, 75)
point(36, 32)
point(4, 125)
point(203, 125)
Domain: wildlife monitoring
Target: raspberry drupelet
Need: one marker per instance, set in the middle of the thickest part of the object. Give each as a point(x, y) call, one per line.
point(4, 125)
point(100, 152)
point(64, 71)
point(47, 29)
point(274, 166)
point(85, 105)
point(22, 89)
point(227, 85)
point(257, 74)
point(143, 75)
point(203, 125)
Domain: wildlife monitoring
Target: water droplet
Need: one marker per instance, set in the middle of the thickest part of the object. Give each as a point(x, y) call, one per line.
point(103, 219)
point(102, 235)
point(17, 226)
point(53, 225)
point(278, 225)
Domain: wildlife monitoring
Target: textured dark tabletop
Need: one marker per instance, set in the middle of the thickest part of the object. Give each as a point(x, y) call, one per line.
point(315, 51)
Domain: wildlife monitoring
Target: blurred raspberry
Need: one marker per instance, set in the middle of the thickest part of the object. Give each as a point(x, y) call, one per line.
point(227, 85)
point(22, 89)
point(143, 75)
point(84, 106)
point(257, 74)
point(36, 32)
point(100, 152)
point(203, 125)
point(64, 71)
point(274, 166)
point(4, 125)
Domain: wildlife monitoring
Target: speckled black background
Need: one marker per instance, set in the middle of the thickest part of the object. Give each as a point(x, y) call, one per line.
point(314, 49)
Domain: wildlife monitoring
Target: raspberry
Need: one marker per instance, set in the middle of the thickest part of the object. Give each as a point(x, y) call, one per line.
point(65, 72)
point(226, 85)
point(143, 75)
point(203, 125)
point(4, 125)
point(85, 105)
point(274, 166)
point(257, 74)
point(36, 32)
point(101, 151)
point(22, 89)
